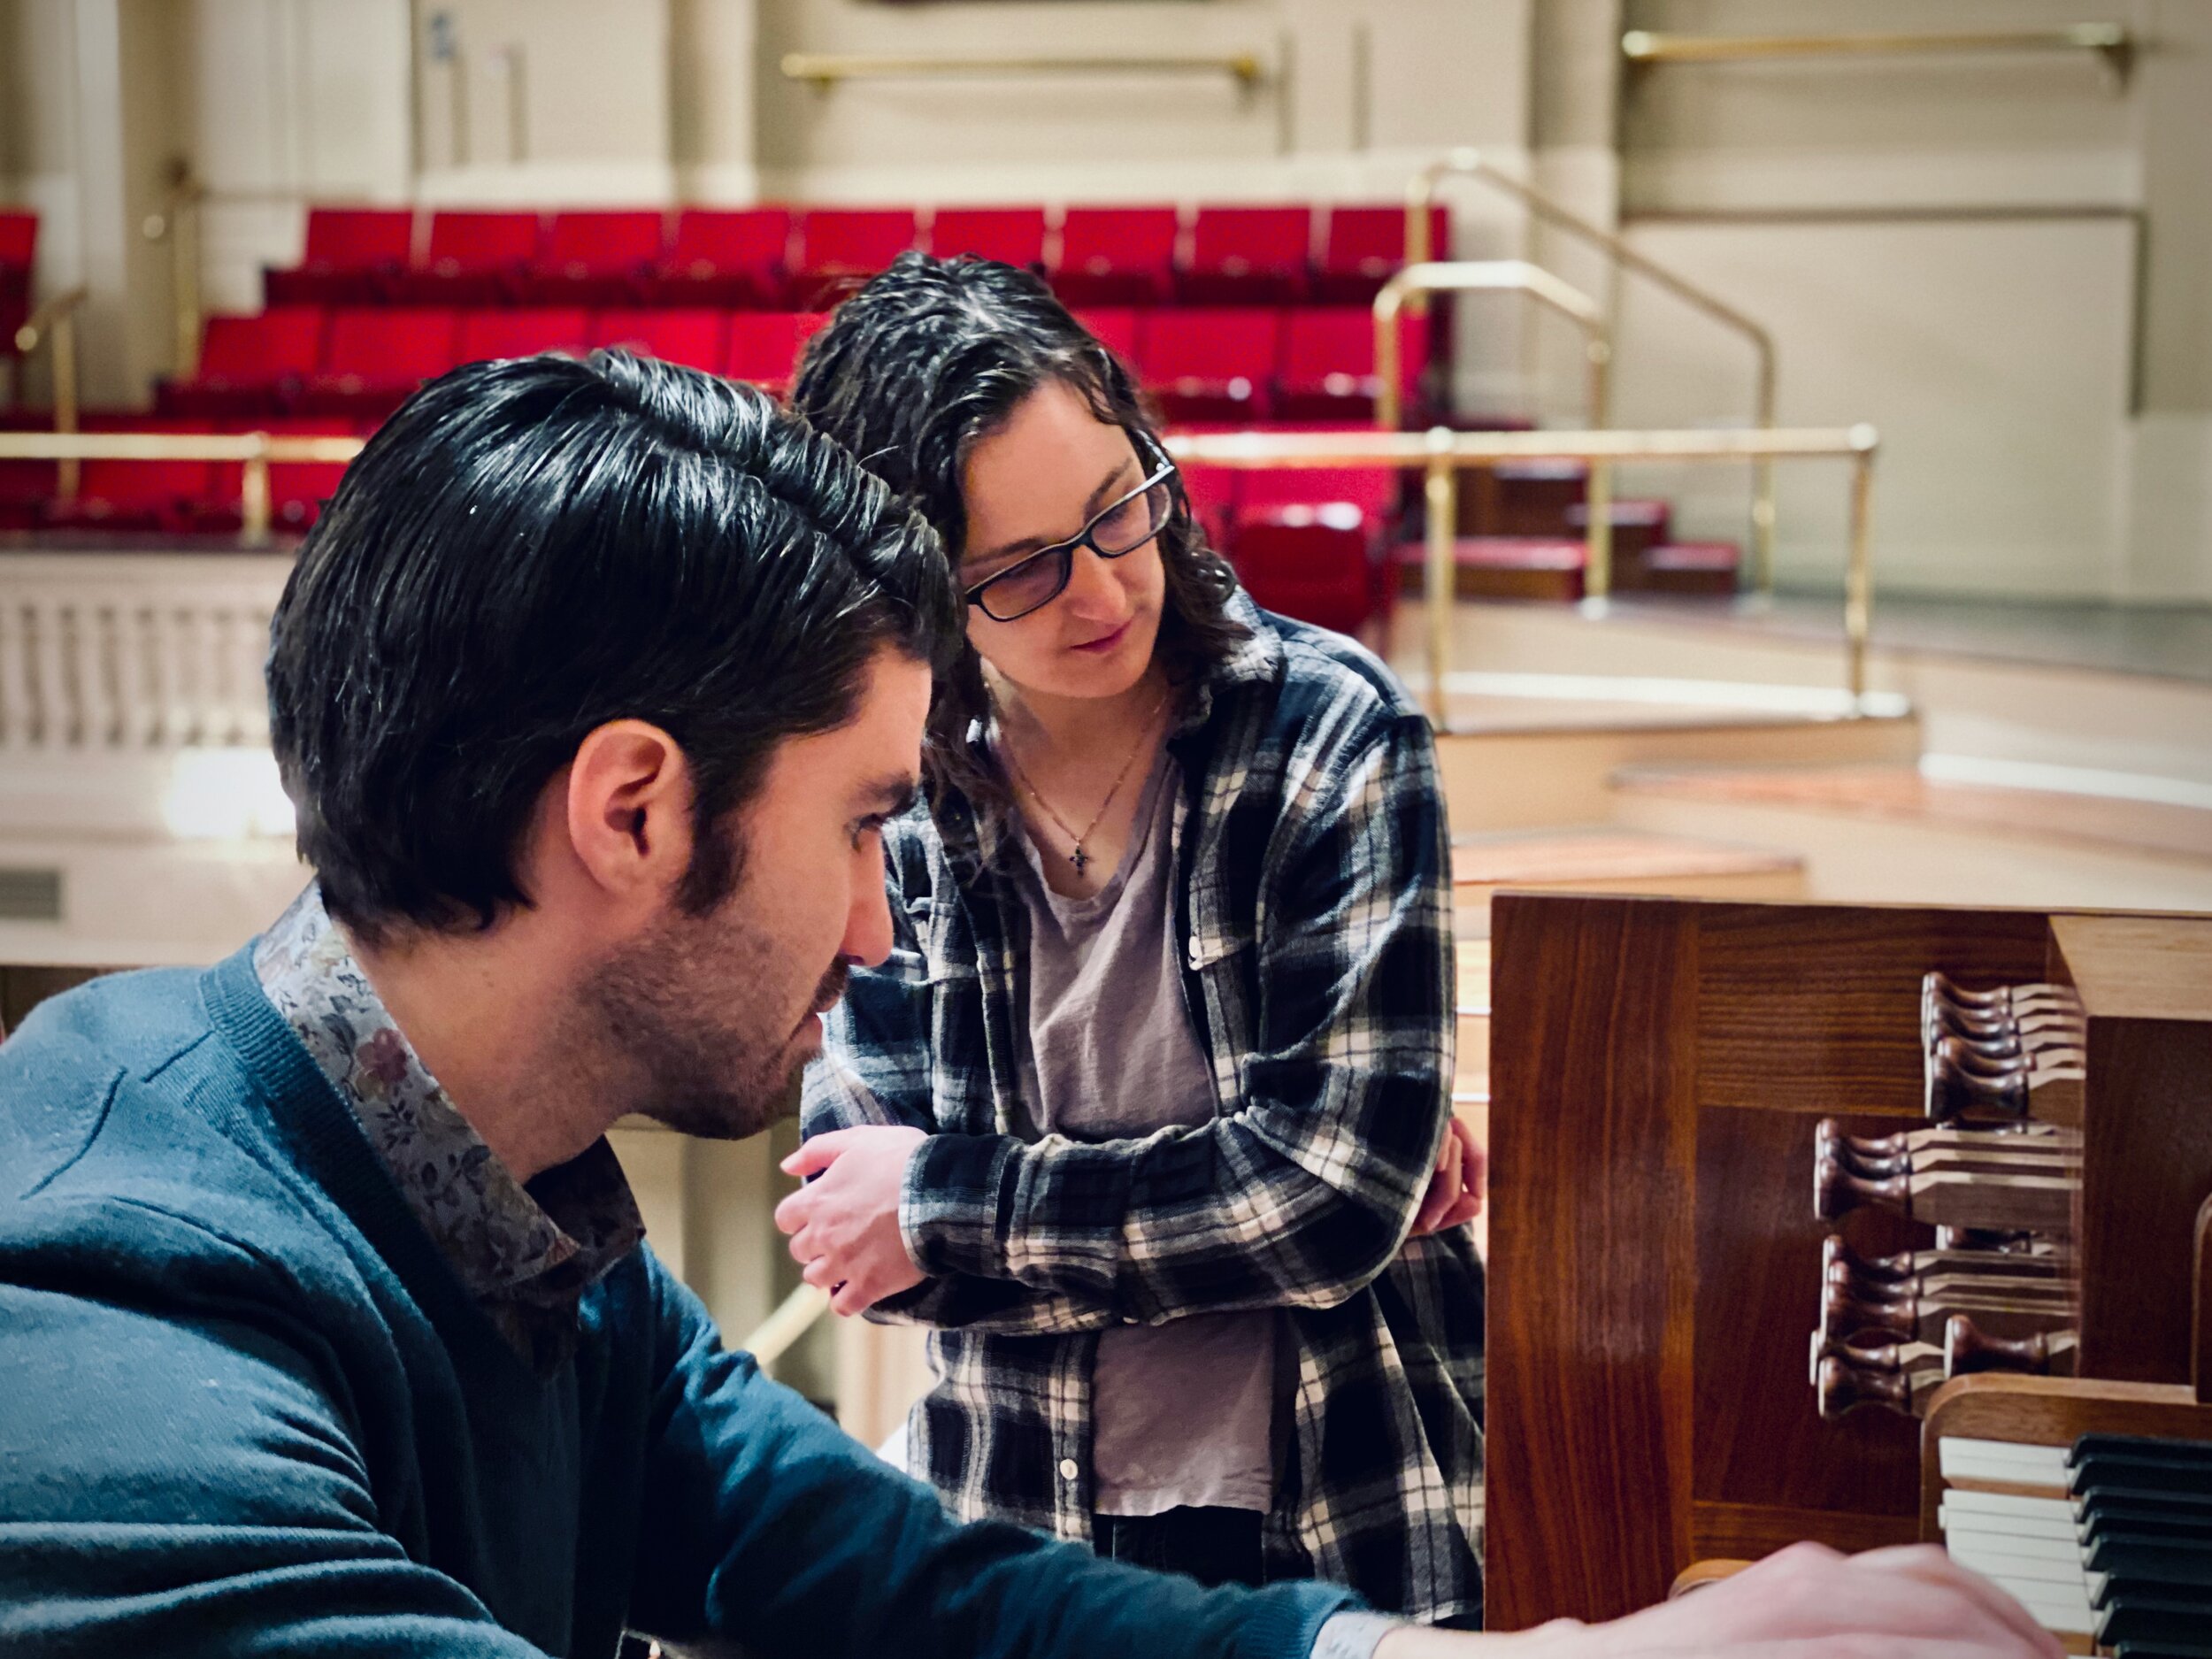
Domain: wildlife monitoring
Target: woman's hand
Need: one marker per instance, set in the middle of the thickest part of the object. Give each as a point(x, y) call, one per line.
point(844, 1226)
point(1454, 1194)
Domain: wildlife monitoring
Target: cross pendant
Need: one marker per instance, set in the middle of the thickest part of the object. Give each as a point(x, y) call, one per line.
point(1079, 859)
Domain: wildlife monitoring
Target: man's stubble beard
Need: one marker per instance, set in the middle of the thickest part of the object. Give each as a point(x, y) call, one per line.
point(683, 1022)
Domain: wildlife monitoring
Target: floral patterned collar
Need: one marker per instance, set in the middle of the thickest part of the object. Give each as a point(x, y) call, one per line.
point(526, 1251)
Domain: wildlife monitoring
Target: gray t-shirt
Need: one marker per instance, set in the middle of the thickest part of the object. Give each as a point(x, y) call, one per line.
point(1181, 1412)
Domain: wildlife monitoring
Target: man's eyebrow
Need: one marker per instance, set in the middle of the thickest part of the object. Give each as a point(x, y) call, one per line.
point(1092, 503)
point(890, 795)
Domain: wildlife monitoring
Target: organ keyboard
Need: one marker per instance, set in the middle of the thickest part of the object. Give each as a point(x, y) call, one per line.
point(2007, 1119)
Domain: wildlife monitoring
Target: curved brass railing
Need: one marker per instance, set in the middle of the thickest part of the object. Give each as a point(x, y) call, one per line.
point(1463, 276)
point(54, 326)
point(1470, 164)
point(1443, 455)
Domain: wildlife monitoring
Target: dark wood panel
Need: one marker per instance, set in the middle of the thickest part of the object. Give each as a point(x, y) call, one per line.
point(1745, 1531)
point(1759, 1437)
point(1816, 1008)
point(2148, 1168)
point(1593, 1162)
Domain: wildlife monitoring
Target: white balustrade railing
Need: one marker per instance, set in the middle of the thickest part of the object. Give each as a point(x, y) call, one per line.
point(130, 653)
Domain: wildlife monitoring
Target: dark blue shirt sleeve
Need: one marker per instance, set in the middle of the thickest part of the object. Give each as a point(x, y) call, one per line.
point(767, 1524)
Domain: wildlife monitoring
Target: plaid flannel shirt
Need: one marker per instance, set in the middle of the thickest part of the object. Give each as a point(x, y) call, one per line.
point(1314, 911)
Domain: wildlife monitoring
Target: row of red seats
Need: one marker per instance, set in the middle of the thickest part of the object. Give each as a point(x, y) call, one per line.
point(800, 259)
point(364, 361)
point(1242, 364)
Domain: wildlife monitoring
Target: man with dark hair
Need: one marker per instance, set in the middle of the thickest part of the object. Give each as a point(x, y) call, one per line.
point(326, 1325)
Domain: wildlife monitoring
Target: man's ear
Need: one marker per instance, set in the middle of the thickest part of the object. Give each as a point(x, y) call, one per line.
point(629, 795)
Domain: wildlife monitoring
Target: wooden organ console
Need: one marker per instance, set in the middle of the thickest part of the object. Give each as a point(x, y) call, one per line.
point(1968, 1153)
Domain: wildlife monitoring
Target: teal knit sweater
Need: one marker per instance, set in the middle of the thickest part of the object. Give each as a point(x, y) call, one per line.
point(245, 1407)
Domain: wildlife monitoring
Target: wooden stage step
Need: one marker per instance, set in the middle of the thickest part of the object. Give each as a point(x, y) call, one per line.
point(1604, 859)
point(1902, 793)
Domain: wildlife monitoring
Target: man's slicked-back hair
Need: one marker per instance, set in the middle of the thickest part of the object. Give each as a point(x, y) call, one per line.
point(531, 549)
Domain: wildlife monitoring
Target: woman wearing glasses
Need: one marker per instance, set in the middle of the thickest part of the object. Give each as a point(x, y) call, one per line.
point(1147, 1114)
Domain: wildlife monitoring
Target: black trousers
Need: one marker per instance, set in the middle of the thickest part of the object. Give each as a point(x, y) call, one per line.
point(1212, 1546)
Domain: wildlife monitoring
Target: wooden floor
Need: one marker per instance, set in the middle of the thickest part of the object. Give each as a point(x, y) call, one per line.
point(1901, 793)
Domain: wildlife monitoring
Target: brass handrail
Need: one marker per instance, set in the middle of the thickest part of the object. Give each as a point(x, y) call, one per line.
point(2114, 43)
point(1462, 276)
point(1442, 454)
point(255, 451)
point(1421, 192)
point(825, 69)
point(55, 323)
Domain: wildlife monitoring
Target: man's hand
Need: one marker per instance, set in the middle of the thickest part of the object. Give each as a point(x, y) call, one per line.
point(1806, 1602)
point(1454, 1194)
point(844, 1226)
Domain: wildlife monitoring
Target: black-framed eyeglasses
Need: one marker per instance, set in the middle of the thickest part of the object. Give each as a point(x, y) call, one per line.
point(1121, 529)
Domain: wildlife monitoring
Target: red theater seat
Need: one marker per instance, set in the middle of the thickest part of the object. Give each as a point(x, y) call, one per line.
point(523, 332)
point(26, 486)
point(353, 255)
point(1248, 256)
point(375, 358)
point(1315, 563)
point(1329, 363)
point(1372, 491)
point(1213, 493)
point(1211, 365)
point(724, 258)
point(135, 494)
point(1012, 235)
point(249, 364)
point(842, 247)
point(765, 346)
point(1116, 255)
point(690, 336)
point(597, 258)
point(19, 246)
point(1116, 327)
point(474, 258)
point(1365, 245)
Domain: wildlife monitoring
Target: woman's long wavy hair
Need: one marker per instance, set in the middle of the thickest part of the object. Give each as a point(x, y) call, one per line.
point(920, 366)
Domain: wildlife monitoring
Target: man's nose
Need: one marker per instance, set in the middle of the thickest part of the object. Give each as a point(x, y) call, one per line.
point(868, 922)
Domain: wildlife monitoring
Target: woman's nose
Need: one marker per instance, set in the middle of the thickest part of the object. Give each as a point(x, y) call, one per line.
point(1094, 585)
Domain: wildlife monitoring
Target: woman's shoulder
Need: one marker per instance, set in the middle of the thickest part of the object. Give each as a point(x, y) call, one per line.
point(1317, 687)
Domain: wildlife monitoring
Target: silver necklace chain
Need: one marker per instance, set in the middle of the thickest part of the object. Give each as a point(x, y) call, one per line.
point(1078, 857)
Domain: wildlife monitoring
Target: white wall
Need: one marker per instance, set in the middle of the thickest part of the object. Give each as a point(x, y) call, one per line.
point(1947, 247)
point(287, 101)
point(1991, 357)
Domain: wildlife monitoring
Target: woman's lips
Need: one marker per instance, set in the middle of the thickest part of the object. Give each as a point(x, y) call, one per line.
point(1105, 642)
